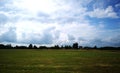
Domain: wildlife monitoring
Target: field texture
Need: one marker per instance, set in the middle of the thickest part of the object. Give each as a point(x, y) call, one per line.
point(59, 61)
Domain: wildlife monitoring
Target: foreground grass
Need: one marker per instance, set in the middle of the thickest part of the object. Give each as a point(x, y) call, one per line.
point(59, 61)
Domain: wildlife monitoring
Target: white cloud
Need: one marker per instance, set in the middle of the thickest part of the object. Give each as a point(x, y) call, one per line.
point(34, 31)
point(117, 5)
point(103, 13)
point(54, 21)
point(36, 6)
point(57, 11)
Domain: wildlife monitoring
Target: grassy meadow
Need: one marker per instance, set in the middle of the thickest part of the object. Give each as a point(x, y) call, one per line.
point(59, 61)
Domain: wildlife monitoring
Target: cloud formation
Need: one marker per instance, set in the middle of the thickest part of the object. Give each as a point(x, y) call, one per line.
point(103, 13)
point(8, 36)
point(59, 22)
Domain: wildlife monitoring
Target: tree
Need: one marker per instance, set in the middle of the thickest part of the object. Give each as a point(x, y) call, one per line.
point(35, 47)
point(75, 45)
point(80, 47)
point(95, 47)
point(2, 46)
point(30, 46)
point(56, 47)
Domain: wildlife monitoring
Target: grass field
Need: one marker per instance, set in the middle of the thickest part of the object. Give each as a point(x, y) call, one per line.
point(59, 61)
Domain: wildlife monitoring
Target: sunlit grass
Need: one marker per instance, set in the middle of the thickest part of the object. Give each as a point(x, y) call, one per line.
point(59, 61)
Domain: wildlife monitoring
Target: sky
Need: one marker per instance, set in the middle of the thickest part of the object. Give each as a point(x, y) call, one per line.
point(60, 22)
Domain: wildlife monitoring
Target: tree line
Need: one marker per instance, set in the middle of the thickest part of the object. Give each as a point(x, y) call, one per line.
point(74, 46)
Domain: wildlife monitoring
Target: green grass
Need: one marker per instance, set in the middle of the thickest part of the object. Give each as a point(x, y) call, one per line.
point(59, 61)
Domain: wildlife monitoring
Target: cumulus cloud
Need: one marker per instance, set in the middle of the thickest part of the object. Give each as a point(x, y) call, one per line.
point(8, 36)
point(3, 18)
point(117, 5)
point(54, 22)
point(103, 13)
point(53, 33)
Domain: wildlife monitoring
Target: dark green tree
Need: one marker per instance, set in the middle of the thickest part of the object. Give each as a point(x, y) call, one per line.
point(75, 45)
point(35, 47)
point(30, 46)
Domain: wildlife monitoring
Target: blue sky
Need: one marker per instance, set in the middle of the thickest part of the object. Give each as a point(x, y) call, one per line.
point(51, 22)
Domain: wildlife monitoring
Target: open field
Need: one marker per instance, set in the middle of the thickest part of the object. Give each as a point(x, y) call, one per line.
point(59, 61)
